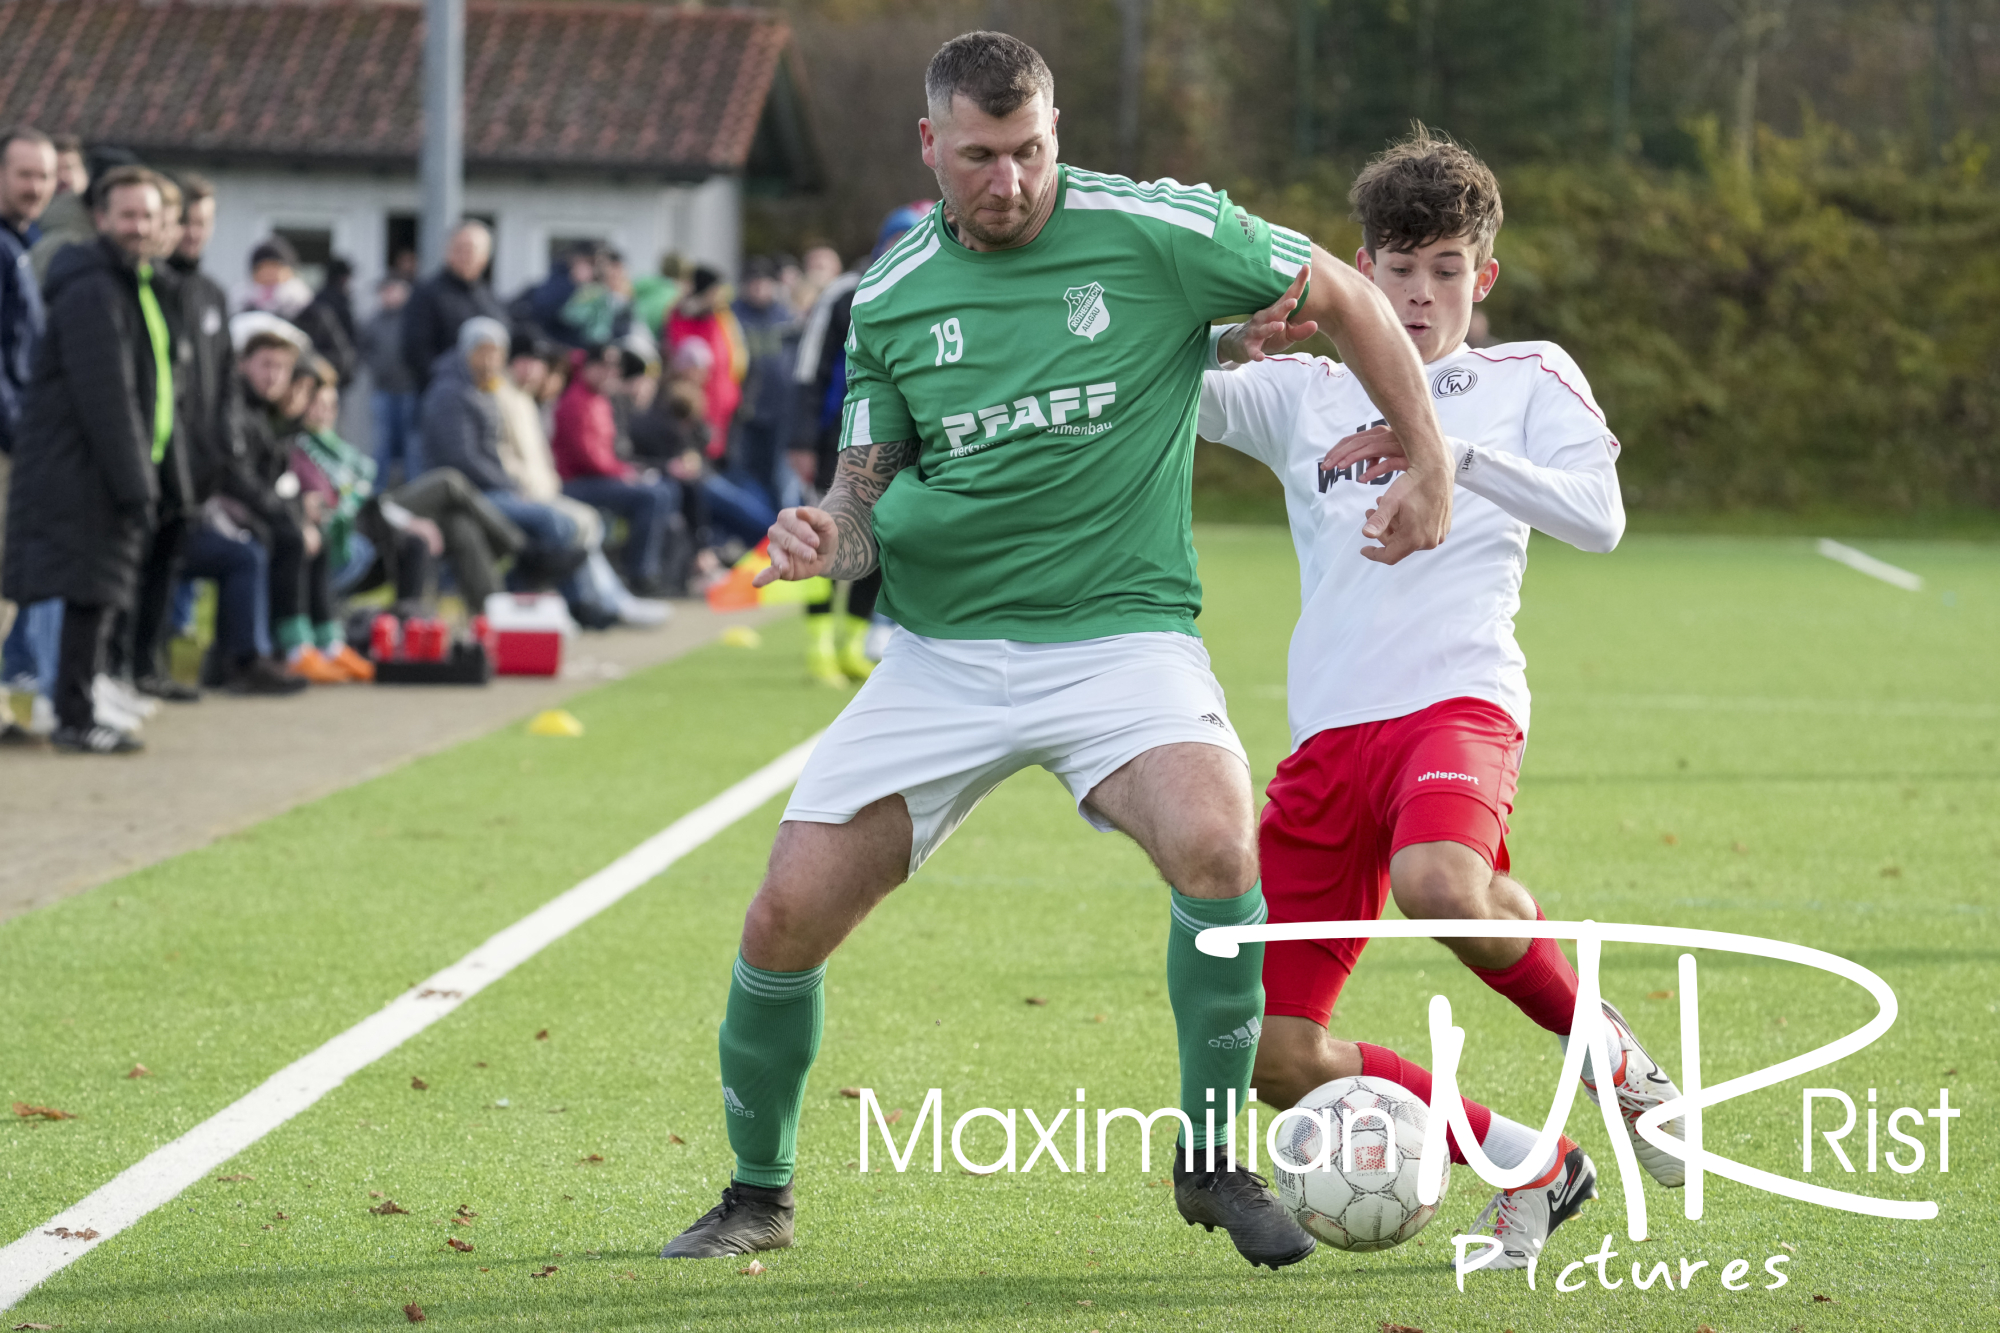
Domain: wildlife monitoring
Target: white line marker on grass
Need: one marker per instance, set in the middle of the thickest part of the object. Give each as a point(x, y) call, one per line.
point(1869, 565)
point(165, 1172)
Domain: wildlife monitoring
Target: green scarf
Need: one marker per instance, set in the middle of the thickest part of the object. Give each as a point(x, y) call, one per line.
point(163, 364)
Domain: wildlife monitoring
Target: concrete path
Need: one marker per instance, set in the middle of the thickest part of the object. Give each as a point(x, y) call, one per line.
point(68, 823)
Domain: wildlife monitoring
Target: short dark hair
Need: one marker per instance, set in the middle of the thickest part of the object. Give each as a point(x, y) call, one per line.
point(195, 187)
point(1423, 189)
point(997, 73)
point(119, 178)
point(67, 143)
point(14, 134)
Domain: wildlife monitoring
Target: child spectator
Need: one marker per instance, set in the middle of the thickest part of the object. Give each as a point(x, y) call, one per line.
point(274, 285)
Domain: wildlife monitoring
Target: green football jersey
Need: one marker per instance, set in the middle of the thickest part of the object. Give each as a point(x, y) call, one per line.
point(1053, 388)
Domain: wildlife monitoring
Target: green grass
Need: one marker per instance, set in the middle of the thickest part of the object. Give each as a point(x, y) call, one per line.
point(1730, 733)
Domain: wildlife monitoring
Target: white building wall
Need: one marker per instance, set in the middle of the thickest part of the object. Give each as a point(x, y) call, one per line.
point(702, 223)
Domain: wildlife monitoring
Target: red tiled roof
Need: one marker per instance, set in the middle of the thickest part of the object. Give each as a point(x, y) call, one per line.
point(635, 86)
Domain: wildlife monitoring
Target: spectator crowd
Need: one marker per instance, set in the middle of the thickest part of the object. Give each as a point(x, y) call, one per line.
point(620, 440)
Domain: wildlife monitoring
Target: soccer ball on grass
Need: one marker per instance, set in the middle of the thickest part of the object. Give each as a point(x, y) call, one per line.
point(1373, 1206)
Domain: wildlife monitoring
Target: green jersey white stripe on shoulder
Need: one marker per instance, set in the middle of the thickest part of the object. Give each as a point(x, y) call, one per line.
point(1052, 390)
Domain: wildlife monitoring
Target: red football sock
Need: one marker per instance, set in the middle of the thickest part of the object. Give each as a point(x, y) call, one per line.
point(1543, 983)
point(1381, 1062)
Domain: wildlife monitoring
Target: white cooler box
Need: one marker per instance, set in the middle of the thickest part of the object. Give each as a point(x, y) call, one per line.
point(527, 631)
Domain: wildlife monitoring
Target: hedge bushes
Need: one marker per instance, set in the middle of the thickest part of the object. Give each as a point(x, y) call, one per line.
point(1820, 331)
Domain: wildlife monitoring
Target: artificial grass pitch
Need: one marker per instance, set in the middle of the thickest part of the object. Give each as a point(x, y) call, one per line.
point(1733, 735)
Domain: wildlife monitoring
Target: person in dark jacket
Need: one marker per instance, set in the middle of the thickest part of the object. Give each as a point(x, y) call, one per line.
point(218, 548)
point(132, 652)
point(329, 320)
point(27, 183)
point(461, 425)
point(444, 301)
point(392, 396)
point(99, 417)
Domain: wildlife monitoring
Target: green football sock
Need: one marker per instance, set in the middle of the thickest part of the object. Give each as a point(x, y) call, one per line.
point(1218, 1006)
point(770, 1035)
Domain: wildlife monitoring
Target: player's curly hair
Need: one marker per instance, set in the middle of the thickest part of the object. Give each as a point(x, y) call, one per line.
point(996, 72)
point(1424, 188)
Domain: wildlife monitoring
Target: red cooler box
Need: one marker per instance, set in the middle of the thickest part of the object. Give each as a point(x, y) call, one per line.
point(527, 632)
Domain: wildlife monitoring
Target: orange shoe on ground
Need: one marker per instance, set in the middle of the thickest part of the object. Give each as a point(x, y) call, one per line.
point(310, 664)
point(357, 667)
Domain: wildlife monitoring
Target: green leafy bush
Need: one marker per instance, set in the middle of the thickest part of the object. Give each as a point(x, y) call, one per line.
point(1820, 331)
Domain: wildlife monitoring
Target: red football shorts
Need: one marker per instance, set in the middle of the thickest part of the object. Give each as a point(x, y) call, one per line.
point(1347, 801)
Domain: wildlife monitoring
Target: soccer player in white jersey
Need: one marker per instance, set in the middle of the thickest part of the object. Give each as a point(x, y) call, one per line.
point(1017, 451)
point(1408, 695)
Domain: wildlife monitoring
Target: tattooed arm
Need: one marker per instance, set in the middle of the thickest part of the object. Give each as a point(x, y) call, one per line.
point(837, 540)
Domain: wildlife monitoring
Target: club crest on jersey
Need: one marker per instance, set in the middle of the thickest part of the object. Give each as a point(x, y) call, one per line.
point(1451, 383)
point(1088, 315)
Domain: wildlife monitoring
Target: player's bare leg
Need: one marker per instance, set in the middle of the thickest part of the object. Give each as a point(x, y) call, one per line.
point(1447, 880)
point(823, 881)
point(1189, 806)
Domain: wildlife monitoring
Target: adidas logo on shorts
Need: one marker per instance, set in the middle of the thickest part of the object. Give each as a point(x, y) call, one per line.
point(1241, 1039)
point(735, 1105)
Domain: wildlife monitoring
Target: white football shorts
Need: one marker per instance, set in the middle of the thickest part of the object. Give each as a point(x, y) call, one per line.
point(945, 721)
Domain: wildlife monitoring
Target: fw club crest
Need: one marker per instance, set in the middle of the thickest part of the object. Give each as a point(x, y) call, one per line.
point(1088, 315)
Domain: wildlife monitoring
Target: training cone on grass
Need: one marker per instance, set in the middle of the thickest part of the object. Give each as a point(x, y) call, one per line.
point(735, 593)
point(555, 722)
point(741, 636)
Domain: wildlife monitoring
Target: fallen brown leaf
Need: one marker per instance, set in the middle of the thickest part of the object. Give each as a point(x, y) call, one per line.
point(1738, 848)
point(1825, 1299)
point(675, 1138)
point(590, 1160)
point(1671, 839)
point(464, 1213)
point(414, 1313)
point(545, 1271)
point(373, 1194)
point(1949, 1072)
point(27, 1112)
point(1660, 995)
point(1892, 872)
point(543, 1035)
point(1098, 1019)
point(850, 1092)
point(1787, 1245)
point(64, 1233)
point(756, 1269)
point(418, 1085)
point(1400, 1328)
point(628, 1277)
point(22, 1326)
point(389, 1207)
point(140, 1071)
point(893, 1116)
point(1086, 1302)
point(1039, 1001)
point(238, 1176)
point(479, 1064)
point(462, 1246)
point(280, 1217)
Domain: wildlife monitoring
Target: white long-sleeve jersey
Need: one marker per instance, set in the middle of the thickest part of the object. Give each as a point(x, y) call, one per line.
point(1531, 449)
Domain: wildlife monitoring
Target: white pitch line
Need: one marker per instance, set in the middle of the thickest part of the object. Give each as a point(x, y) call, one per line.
point(1869, 565)
point(164, 1173)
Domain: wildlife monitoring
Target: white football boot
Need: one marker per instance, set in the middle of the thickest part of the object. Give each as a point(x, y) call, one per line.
point(1641, 1085)
point(1524, 1216)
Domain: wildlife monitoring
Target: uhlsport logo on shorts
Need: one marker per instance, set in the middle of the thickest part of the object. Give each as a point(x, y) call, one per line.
point(1445, 775)
point(1451, 383)
point(1088, 315)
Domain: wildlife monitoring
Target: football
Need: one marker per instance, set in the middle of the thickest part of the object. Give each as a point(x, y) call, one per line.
point(1374, 1205)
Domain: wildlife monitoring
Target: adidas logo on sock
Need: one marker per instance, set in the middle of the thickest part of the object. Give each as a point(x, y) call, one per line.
point(735, 1105)
point(1241, 1039)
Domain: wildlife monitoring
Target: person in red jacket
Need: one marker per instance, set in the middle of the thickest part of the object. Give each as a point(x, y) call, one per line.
point(586, 455)
point(703, 316)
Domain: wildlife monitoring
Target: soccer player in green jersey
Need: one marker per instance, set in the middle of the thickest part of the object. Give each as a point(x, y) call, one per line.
point(1023, 373)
